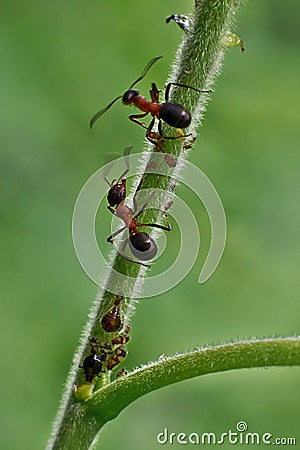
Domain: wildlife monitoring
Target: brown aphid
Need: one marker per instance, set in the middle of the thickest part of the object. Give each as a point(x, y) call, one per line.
point(112, 322)
point(122, 339)
point(118, 355)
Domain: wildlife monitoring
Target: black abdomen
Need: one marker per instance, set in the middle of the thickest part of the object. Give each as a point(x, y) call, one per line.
point(175, 115)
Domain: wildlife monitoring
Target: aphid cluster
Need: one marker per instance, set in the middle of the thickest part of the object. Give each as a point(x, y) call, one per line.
point(104, 355)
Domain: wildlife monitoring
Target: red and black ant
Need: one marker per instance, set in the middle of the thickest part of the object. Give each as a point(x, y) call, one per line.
point(173, 114)
point(140, 243)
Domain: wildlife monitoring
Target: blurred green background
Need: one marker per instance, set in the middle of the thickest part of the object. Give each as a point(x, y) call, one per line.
point(60, 61)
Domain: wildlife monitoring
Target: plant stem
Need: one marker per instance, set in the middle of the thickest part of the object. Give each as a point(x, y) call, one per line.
point(197, 64)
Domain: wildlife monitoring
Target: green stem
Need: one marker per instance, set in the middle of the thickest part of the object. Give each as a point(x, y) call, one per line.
point(197, 64)
point(109, 402)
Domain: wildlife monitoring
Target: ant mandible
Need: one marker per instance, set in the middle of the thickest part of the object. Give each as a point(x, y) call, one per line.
point(140, 243)
point(173, 114)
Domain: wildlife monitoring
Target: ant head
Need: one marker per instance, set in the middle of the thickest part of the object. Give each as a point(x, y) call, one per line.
point(128, 97)
point(117, 193)
point(142, 246)
point(175, 115)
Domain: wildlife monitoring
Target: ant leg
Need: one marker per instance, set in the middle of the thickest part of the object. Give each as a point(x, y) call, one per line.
point(171, 137)
point(111, 209)
point(110, 238)
point(135, 205)
point(152, 137)
point(156, 225)
point(144, 205)
point(184, 86)
point(178, 137)
point(162, 227)
point(154, 93)
point(134, 118)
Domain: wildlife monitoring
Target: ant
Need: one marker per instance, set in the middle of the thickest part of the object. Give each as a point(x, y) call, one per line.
point(173, 114)
point(140, 243)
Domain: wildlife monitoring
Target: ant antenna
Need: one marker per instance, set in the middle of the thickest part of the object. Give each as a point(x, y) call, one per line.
point(145, 71)
point(110, 157)
point(143, 74)
point(102, 111)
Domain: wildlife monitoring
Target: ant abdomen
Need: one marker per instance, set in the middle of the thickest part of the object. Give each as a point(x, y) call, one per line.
point(142, 246)
point(175, 115)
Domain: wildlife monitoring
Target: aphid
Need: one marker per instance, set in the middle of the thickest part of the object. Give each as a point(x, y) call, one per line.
point(140, 243)
point(121, 373)
point(122, 338)
point(92, 366)
point(111, 321)
point(105, 348)
point(173, 114)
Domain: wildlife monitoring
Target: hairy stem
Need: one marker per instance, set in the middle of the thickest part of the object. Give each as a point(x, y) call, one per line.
point(197, 64)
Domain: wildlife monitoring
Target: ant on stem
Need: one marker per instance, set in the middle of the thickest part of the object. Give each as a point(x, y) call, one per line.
point(140, 243)
point(173, 114)
point(111, 321)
